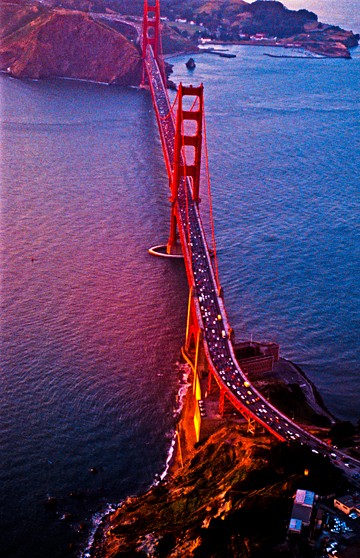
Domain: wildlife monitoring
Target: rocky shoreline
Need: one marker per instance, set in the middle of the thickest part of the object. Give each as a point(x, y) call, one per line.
point(321, 49)
point(131, 526)
point(335, 44)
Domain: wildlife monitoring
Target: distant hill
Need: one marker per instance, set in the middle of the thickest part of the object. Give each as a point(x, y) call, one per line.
point(86, 39)
point(50, 43)
point(41, 42)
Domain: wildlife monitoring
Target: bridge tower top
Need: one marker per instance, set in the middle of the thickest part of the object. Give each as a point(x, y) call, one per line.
point(151, 32)
point(184, 139)
point(188, 137)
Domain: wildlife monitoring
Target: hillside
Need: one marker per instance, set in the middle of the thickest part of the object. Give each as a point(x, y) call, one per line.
point(60, 43)
point(15, 14)
point(232, 498)
point(99, 45)
point(40, 42)
point(259, 22)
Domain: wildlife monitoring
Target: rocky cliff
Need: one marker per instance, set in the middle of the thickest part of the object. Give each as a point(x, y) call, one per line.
point(43, 42)
point(61, 43)
point(232, 498)
point(40, 42)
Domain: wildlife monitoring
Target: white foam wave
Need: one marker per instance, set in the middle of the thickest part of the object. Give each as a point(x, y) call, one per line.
point(97, 519)
point(183, 370)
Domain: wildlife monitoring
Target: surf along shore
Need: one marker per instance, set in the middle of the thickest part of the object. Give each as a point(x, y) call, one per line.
point(170, 518)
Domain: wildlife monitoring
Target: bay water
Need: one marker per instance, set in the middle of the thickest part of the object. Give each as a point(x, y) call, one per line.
point(92, 325)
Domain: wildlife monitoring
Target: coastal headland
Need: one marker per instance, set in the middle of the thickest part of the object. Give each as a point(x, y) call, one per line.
point(231, 493)
point(101, 43)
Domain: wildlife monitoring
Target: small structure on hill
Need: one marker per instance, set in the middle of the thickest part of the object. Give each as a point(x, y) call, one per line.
point(254, 356)
point(348, 504)
point(301, 511)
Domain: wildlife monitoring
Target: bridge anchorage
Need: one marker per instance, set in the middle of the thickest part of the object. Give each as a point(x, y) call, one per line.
point(209, 343)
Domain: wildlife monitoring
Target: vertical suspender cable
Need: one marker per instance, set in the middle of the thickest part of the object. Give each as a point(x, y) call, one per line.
point(210, 205)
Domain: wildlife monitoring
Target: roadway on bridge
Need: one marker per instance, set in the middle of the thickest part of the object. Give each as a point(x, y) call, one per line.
point(214, 324)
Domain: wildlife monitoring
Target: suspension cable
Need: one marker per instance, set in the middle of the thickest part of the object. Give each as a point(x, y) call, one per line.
point(210, 203)
point(172, 106)
point(195, 101)
point(185, 186)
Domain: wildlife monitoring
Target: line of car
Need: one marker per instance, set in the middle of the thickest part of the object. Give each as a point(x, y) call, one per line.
point(213, 323)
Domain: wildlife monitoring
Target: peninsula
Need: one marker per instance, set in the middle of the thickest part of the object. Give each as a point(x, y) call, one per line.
point(100, 41)
point(230, 494)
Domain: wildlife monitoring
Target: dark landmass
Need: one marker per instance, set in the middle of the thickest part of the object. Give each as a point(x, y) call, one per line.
point(59, 43)
point(289, 389)
point(232, 493)
point(232, 498)
point(41, 42)
point(238, 21)
point(93, 41)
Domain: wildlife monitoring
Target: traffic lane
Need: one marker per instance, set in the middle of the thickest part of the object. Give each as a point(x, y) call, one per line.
point(210, 309)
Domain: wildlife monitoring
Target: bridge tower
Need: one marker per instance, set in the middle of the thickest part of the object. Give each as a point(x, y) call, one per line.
point(151, 34)
point(188, 135)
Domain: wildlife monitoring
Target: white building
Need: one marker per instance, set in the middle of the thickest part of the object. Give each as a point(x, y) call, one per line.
point(301, 511)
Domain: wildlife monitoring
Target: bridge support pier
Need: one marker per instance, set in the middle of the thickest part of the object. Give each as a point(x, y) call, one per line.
point(251, 426)
point(222, 402)
point(194, 354)
point(194, 335)
point(172, 242)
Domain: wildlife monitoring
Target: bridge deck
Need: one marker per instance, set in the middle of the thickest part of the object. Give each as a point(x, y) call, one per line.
point(210, 308)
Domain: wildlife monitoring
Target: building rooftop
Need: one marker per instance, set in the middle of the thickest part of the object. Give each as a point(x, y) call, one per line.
point(302, 513)
point(348, 501)
point(302, 510)
point(305, 498)
point(295, 525)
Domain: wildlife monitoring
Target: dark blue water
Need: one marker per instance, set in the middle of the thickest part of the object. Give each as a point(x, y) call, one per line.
point(283, 138)
point(92, 325)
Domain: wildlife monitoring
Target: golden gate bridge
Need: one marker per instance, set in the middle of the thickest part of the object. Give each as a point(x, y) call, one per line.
point(208, 342)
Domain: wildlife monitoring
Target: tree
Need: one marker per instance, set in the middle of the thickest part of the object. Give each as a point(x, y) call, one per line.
point(342, 432)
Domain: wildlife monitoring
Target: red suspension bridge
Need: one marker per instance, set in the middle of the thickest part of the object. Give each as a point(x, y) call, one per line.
point(208, 344)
